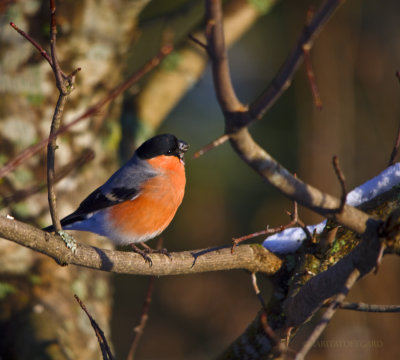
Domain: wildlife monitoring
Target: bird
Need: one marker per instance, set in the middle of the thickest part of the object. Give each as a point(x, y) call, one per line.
point(139, 200)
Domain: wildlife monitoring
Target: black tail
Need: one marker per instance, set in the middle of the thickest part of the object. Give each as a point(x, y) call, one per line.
point(70, 219)
point(49, 228)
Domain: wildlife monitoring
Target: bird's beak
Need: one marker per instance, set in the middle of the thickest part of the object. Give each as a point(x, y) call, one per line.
point(183, 147)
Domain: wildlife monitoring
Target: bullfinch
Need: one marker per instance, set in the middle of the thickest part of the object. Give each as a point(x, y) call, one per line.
point(140, 199)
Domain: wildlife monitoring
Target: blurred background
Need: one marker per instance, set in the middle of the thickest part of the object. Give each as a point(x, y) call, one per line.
point(355, 59)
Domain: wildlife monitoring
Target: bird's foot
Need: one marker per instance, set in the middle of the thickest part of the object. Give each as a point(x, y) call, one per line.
point(69, 240)
point(143, 253)
point(148, 250)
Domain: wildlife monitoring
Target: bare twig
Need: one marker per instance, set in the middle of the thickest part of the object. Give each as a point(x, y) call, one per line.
point(283, 79)
point(217, 142)
point(267, 231)
point(53, 50)
point(257, 291)
point(395, 148)
point(311, 78)
point(363, 307)
point(198, 42)
point(379, 257)
point(76, 164)
point(308, 64)
point(397, 141)
point(104, 347)
point(278, 346)
point(64, 86)
point(295, 220)
point(342, 181)
point(143, 319)
point(51, 148)
point(34, 43)
point(145, 312)
point(32, 150)
point(327, 316)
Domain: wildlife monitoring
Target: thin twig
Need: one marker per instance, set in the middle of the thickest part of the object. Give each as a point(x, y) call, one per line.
point(104, 347)
point(76, 164)
point(308, 64)
point(257, 291)
point(33, 42)
point(342, 181)
point(311, 78)
point(217, 142)
point(51, 148)
point(53, 50)
point(369, 307)
point(395, 148)
point(295, 220)
point(379, 257)
point(138, 330)
point(277, 344)
point(64, 86)
point(327, 316)
point(198, 42)
point(145, 312)
point(283, 78)
point(397, 141)
point(33, 149)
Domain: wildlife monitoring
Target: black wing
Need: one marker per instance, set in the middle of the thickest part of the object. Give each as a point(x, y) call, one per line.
point(97, 201)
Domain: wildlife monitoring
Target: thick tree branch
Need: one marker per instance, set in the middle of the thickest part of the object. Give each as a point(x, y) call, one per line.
point(327, 316)
point(313, 293)
point(219, 59)
point(292, 187)
point(253, 258)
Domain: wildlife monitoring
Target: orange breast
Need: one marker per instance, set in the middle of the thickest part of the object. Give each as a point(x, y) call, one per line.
point(157, 203)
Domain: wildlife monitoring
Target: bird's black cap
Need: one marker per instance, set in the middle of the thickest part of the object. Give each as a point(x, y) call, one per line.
point(165, 144)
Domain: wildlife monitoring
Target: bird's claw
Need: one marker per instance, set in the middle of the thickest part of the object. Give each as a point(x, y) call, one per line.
point(143, 253)
point(148, 250)
point(163, 251)
point(69, 240)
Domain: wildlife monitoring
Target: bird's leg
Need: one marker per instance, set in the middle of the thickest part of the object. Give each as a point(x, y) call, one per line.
point(69, 240)
point(143, 253)
point(148, 250)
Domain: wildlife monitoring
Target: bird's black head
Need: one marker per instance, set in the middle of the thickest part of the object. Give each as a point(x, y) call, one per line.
point(165, 144)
